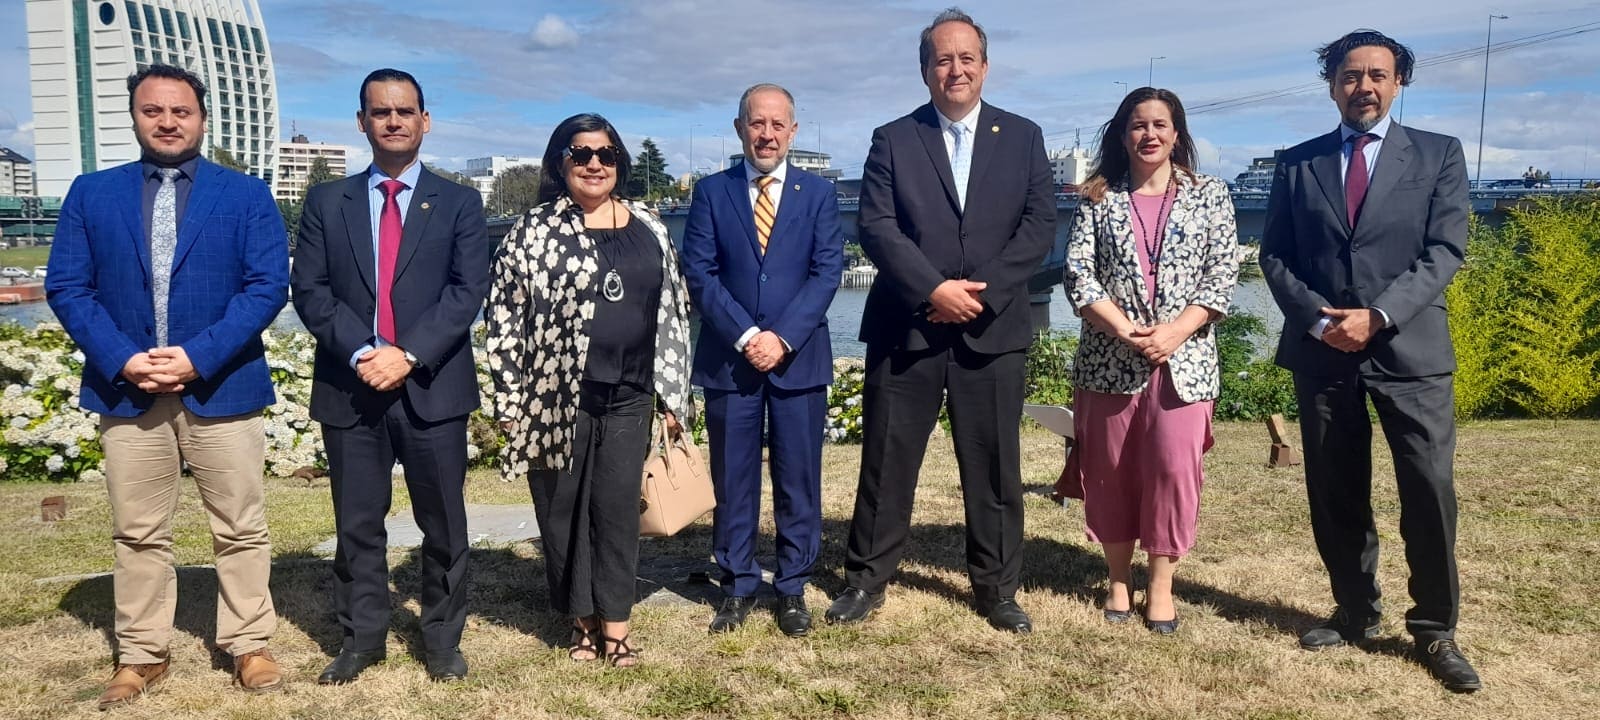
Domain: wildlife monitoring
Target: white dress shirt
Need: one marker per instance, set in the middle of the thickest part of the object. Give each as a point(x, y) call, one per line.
point(971, 121)
point(775, 194)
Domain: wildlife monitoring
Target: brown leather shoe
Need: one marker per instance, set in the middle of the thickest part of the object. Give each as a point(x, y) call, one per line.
point(257, 671)
point(130, 682)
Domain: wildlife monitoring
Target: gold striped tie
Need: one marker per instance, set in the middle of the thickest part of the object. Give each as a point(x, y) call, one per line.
point(765, 213)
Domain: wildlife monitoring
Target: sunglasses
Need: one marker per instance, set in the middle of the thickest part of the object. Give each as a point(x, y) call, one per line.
point(582, 155)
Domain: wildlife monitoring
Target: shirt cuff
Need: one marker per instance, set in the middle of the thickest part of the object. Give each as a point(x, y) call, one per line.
point(1321, 327)
point(364, 349)
point(745, 338)
point(1386, 321)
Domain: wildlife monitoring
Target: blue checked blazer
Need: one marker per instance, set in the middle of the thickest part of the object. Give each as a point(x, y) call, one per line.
point(230, 278)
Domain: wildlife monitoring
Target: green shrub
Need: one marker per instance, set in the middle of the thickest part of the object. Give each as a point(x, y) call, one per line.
point(1479, 299)
point(1556, 343)
point(1049, 368)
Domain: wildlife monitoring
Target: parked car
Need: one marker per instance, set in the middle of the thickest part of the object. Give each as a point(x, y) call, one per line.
point(39, 271)
point(14, 272)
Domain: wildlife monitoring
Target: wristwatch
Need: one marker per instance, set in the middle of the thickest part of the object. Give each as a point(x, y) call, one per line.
point(414, 360)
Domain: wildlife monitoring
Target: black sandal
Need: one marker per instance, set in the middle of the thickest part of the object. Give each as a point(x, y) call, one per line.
point(623, 656)
point(584, 641)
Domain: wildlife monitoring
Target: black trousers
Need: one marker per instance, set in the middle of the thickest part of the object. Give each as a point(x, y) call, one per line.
point(901, 401)
point(588, 512)
point(360, 459)
point(1417, 416)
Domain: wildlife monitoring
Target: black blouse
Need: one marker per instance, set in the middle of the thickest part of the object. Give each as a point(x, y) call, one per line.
point(622, 335)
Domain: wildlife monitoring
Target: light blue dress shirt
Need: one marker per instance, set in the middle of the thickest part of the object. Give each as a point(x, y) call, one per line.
point(1370, 152)
point(375, 198)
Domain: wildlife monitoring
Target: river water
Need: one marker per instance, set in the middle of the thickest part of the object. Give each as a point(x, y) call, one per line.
point(844, 316)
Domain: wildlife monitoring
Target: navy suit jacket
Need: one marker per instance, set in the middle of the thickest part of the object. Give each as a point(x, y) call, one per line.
point(1408, 243)
point(441, 279)
point(229, 280)
point(787, 290)
point(917, 234)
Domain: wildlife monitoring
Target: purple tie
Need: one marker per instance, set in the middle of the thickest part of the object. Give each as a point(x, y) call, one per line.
point(1355, 178)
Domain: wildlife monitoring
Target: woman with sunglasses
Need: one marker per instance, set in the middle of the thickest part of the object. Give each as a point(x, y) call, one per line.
point(588, 337)
point(1151, 264)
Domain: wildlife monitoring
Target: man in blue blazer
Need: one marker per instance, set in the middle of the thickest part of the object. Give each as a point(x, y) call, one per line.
point(165, 272)
point(391, 267)
point(762, 253)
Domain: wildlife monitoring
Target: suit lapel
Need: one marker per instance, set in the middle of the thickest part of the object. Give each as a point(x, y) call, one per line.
point(1325, 168)
point(204, 189)
point(357, 211)
point(424, 200)
point(927, 118)
point(133, 214)
point(791, 197)
point(986, 137)
point(739, 197)
point(1393, 157)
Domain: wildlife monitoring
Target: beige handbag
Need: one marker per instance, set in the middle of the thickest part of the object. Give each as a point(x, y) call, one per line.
point(676, 488)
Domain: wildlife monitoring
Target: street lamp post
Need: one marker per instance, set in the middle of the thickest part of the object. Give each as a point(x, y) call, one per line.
point(1483, 104)
point(1124, 88)
point(722, 150)
point(1151, 78)
point(692, 126)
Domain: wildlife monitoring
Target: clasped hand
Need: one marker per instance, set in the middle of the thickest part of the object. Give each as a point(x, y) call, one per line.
point(764, 350)
point(1350, 329)
point(383, 369)
point(161, 370)
point(956, 301)
point(1156, 343)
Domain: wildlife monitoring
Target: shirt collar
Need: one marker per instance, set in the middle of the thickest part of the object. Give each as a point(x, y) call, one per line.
point(781, 172)
point(408, 176)
point(1381, 129)
point(185, 169)
point(971, 120)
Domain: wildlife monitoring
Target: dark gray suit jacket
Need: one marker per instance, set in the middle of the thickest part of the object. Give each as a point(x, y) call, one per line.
point(1405, 248)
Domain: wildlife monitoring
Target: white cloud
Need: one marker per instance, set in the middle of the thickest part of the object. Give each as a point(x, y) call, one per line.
point(552, 32)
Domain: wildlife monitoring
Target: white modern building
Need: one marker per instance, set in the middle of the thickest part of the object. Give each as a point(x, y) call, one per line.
point(807, 160)
point(16, 173)
point(1070, 166)
point(81, 52)
point(295, 158)
point(484, 170)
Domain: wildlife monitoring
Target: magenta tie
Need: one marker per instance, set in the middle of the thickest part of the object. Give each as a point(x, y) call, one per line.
point(389, 228)
point(1355, 178)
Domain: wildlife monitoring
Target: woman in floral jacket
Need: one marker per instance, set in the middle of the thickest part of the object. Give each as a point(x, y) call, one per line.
point(1151, 265)
point(588, 334)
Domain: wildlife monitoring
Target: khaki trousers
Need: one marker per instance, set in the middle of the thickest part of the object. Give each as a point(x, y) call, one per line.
point(226, 456)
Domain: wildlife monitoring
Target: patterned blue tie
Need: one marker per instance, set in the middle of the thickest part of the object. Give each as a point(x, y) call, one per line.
point(960, 161)
point(163, 240)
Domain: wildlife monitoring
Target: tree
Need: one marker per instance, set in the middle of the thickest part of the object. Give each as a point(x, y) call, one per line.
point(452, 176)
point(515, 190)
point(290, 210)
point(649, 179)
point(319, 173)
point(221, 156)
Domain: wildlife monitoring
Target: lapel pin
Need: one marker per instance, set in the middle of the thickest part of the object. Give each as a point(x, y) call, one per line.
point(797, 187)
point(425, 206)
point(994, 128)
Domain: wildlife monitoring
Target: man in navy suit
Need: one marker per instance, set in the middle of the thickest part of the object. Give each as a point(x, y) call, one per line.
point(165, 272)
point(390, 269)
point(957, 213)
point(762, 253)
point(1365, 227)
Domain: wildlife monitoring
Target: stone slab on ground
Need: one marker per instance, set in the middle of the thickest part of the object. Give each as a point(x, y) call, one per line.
point(491, 524)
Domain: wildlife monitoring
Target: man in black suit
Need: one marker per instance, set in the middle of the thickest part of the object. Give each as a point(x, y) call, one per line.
point(1365, 227)
point(390, 269)
point(957, 212)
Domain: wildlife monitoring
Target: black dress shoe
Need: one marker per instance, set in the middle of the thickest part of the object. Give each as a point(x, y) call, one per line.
point(1340, 629)
point(793, 617)
point(1009, 616)
point(347, 666)
point(853, 605)
point(1162, 627)
point(446, 665)
point(1445, 661)
point(732, 613)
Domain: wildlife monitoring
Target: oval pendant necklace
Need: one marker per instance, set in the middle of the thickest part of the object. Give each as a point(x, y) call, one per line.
point(611, 287)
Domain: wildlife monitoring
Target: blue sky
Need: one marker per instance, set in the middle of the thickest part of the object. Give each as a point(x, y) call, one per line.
point(499, 75)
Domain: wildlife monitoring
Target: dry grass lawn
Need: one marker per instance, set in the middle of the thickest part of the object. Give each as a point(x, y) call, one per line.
point(1529, 536)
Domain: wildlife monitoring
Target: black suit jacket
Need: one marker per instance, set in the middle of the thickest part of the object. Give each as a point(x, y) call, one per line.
point(913, 229)
point(441, 278)
point(1407, 244)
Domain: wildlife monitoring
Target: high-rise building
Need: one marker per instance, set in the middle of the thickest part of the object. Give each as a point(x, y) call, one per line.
point(294, 164)
point(1070, 166)
point(81, 52)
point(484, 170)
point(16, 173)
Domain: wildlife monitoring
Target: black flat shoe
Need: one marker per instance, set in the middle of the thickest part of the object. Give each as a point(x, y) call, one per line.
point(1007, 615)
point(347, 666)
point(1449, 666)
point(731, 614)
point(446, 665)
point(1338, 629)
point(853, 605)
point(793, 617)
point(1162, 627)
point(1117, 617)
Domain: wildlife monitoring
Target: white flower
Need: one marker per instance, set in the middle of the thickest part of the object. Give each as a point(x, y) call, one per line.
point(54, 463)
point(92, 475)
point(1243, 374)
